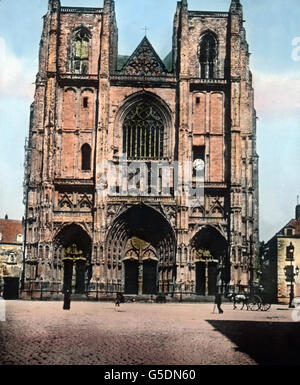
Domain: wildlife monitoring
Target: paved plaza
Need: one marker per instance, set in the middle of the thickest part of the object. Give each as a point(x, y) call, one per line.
point(41, 333)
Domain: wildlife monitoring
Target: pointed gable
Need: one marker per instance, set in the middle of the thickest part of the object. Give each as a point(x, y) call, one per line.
point(65, 202)
point(85, 202)
point(144, 61)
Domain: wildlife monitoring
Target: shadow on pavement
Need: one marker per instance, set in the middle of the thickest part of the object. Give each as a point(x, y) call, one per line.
point(268, 343)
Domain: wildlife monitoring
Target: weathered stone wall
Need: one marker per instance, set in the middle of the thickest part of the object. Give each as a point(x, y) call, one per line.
point(69, 24)
point(71, 110)
point(208, 125)
point(283, 285)
point(75, 127)
point(10, 260)
point(198, 25)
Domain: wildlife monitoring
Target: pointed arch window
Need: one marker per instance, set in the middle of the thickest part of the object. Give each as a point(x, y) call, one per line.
point(86, 157)
point(143, 132)
point(81, 52)
point(208, 56)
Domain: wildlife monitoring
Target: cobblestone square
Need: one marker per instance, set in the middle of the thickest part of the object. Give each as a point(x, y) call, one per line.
point(94, 333)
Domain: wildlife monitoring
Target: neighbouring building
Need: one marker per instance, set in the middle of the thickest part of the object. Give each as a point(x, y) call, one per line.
point(11, 251)
point(280, 257)
point(92, 106)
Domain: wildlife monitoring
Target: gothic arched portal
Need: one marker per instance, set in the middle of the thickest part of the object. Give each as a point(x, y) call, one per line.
point(73, 246)
point(209, 251)
point(142, 243)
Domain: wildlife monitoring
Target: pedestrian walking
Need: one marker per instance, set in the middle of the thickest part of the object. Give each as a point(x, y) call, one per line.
point(292, 296)
point(218, 303)
point(67, 300)
point(239, 287)
point(119, 299)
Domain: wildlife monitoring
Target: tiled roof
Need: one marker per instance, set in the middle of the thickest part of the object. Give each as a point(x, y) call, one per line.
point(295, 225)
point(10, 230)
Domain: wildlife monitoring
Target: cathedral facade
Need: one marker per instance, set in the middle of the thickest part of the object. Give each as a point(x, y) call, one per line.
point(94, 108)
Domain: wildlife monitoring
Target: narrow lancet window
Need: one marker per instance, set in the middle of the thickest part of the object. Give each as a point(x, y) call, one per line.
point(208, 56)
point(81, 53)
point(86, 157)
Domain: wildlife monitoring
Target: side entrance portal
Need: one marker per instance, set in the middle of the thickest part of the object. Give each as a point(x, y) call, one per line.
point(209, 249)
point(74, 245)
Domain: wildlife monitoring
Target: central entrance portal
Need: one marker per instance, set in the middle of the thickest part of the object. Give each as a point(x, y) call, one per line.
point(141, 267)
point(142, 240)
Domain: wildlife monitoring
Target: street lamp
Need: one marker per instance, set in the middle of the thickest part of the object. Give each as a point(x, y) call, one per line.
point(289, 271)
point(221, 275)
point(251, 266)
point(41, 282)
point(97, 288)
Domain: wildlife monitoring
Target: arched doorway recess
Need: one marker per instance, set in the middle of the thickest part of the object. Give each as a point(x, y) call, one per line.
point(74, 245)
point(142, 242)
point(209, 250)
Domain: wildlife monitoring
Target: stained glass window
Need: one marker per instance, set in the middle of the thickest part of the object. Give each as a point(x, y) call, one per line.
point(143, 132)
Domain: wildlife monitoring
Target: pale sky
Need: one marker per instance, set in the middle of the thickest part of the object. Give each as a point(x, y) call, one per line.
point(271, 27)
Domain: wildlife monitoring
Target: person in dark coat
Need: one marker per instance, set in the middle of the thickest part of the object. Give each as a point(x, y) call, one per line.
point(292, 296)
point(218, 302)
point(67, 300)
point(120, 299)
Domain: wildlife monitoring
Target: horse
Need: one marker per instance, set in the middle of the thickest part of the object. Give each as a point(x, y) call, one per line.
point(239, 298)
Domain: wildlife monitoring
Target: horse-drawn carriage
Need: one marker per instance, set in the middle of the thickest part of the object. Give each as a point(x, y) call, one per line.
point(253, 300)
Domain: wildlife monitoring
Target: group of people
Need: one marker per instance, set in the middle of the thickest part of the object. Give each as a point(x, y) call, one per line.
point(121, 299)
point(67, 299)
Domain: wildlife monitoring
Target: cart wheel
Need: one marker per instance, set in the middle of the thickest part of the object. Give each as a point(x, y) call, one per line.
point(255, 303)
point(265, 306)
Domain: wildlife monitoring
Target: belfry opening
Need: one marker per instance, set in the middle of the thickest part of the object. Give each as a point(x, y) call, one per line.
point(142, 243)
